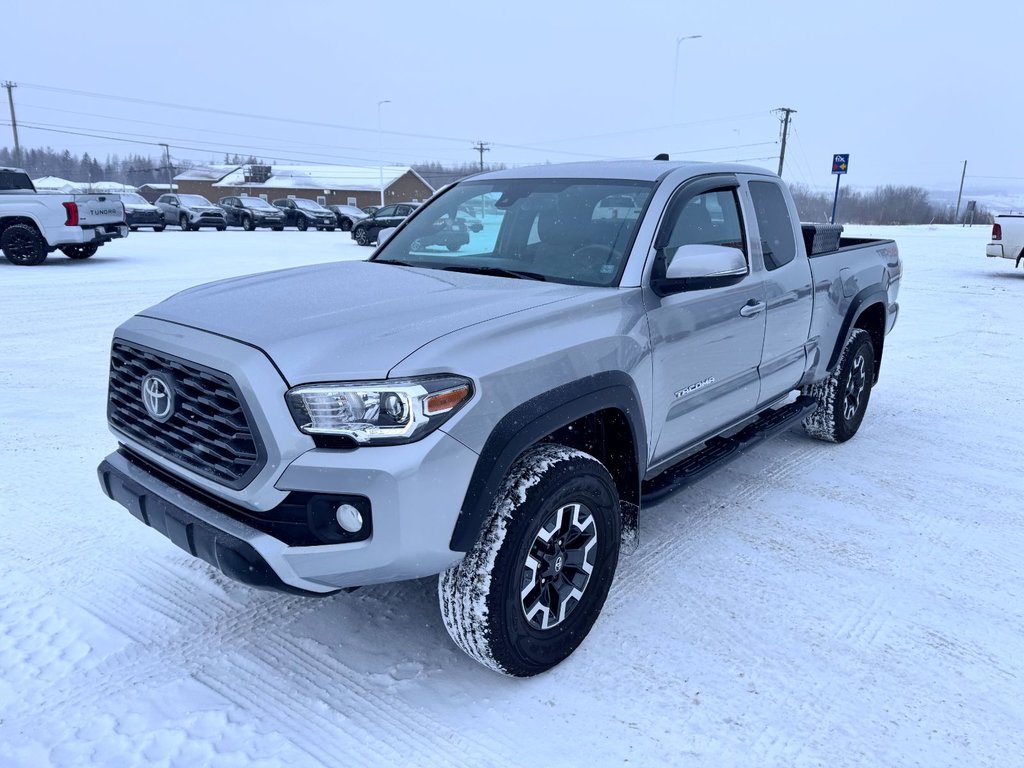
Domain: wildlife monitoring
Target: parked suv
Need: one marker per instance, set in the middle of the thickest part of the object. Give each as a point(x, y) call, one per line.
point(139, 212)
point(365, 232)
point(347, 215)
point(252, 212)
point(303, 214)
point(190, 212)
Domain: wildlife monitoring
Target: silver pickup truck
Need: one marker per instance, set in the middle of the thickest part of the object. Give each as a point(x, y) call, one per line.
point(497, 411)
point(33, 224)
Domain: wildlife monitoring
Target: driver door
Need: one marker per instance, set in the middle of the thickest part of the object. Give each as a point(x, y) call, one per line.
point(706, 336)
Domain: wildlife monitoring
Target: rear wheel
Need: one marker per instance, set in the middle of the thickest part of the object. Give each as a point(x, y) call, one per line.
point(527, 594)
point(83, 251)
point(843, 396)
point(23, 245)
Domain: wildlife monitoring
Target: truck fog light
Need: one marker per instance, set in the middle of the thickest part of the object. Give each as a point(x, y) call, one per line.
point(349, 518)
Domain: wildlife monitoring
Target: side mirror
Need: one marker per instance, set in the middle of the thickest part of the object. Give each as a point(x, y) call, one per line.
point(384, 235)
point(706, 261)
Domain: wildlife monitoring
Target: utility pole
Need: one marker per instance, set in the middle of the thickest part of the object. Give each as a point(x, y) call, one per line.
point(481, 147)
point(963, 176)
point(14, 123)
point(167, 164)
point(785, 112)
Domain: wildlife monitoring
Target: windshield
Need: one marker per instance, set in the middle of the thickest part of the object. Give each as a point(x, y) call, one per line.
point(194, 200)
point(348, 210)
point(134, 199)
point(256, 202)
point(309, 205)
point(541, 229)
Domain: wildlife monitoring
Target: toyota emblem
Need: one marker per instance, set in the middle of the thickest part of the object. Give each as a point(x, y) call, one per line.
point(158, 396)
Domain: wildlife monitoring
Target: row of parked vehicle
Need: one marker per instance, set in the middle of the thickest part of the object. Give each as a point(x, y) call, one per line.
point(193, 212)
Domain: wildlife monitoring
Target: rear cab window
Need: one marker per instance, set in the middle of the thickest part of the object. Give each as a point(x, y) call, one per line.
point(778, 243)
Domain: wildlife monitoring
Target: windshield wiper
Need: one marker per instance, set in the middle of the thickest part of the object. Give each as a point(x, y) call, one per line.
point(395, 262)
point(498, 272)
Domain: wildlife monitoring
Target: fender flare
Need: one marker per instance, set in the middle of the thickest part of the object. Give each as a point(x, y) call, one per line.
point(527, 424)
point(862, 301)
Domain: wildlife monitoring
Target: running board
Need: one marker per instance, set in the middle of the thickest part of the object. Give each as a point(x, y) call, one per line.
point(721, 450)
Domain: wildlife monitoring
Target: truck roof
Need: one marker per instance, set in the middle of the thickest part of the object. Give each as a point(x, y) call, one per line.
point(634, 170)
point(12, 170)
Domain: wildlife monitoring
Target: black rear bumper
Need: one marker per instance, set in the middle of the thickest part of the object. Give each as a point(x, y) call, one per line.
point(153, 505)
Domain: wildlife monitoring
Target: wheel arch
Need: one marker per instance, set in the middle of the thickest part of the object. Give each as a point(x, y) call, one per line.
point(599, 414)
point(868, 312)
point(7, 221)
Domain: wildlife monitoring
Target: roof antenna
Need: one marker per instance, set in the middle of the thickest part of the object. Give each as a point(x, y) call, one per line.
point(662, 156)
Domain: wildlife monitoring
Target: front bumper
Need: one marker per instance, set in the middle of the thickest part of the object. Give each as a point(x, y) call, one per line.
point(414, 494)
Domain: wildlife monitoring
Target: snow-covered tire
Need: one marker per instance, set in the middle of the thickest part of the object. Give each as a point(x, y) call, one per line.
point(527, 594)
point(843, 396)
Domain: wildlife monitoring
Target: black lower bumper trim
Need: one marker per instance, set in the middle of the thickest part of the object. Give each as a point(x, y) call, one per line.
point(236, 558)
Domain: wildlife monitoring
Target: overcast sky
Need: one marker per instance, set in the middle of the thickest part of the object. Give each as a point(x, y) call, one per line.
point(909, 89)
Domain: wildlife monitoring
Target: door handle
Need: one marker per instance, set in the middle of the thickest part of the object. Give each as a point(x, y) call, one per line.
point(752, 308)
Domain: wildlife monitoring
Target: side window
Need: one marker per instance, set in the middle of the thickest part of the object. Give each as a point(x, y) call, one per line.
point(385, 212)
point(777, 240)
point(710, 218)
point(403, 210)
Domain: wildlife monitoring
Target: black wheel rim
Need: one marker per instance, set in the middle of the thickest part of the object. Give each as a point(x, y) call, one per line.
point(856, 383)
point(558, 566)
point(20, 247)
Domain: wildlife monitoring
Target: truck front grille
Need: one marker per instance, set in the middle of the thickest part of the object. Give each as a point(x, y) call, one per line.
point(208, 430)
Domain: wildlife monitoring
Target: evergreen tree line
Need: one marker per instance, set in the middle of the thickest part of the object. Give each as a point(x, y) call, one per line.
point(134, 169)
point(883, 205)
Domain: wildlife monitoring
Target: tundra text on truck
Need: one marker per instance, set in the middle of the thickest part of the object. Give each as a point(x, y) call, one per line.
point(497, 414)
point(33, 225)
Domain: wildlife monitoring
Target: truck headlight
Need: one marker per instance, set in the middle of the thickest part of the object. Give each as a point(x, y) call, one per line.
point(376, 412)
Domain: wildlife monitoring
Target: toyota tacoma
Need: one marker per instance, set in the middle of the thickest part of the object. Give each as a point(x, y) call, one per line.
point(498, 415)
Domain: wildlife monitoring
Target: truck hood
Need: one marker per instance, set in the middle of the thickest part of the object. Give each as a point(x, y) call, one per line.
point(352, 320)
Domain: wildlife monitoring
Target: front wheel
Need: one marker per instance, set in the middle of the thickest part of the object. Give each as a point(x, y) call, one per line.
point(302, 225)
point(183, 223)
point(361, 237)
point(83, 251)
point(346, 225)
point(248, 224)
point(843, 396)
point(160, 228)
point(527, 594)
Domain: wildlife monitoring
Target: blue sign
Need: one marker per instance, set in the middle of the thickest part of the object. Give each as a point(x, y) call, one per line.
point(840, 163)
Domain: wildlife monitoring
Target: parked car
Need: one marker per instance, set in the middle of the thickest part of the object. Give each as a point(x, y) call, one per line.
point(445, 232)
point(365, 232)
point(347, 215)
point(252, 212)
point(1007, 238)
point(303, 214)
point(139, 212)
point(497, 417)
point(191, 212)
point(33, 225)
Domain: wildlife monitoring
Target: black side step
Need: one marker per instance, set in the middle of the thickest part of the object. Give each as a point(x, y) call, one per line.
point(721, 450)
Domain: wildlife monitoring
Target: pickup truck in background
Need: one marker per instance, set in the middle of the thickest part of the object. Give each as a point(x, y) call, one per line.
point(34, 224)
point(1007, 238)
point(499, 414)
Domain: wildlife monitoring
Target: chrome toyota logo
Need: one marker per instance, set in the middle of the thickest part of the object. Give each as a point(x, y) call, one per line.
point(158, 396)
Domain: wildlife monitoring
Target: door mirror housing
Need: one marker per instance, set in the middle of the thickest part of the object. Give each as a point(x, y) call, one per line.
point(706, 261)
point(384, 235)
point(700, 266)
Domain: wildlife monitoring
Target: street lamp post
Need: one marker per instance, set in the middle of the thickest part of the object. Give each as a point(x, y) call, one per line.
point(380, 150)
point(675, 70)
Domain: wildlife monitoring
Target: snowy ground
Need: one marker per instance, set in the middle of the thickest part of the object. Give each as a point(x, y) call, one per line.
point(809, 605)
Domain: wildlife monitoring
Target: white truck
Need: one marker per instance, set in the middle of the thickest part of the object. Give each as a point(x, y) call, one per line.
point(1007, 238)
point(33, 224)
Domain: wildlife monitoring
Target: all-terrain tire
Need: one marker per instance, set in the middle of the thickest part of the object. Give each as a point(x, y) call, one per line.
point(23, 245)
point(843, 396)
point(83, 251)
point(527, 594)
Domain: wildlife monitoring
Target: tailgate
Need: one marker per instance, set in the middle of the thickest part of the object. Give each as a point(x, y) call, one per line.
point(94, 210)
